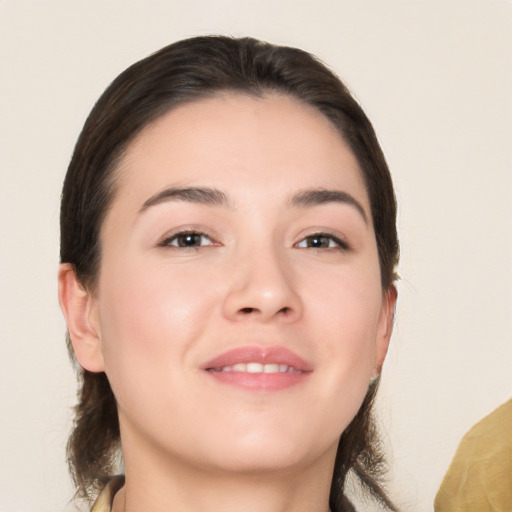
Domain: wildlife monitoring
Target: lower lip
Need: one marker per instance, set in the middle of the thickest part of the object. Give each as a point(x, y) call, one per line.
point(259, 381)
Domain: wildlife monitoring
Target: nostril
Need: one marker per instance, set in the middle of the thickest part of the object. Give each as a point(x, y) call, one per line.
point(247, 311)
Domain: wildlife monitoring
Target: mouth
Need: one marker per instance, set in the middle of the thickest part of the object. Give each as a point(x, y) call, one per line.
point(259, 368)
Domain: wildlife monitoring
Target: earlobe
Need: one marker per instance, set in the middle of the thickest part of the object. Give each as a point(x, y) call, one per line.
point(385, 328)
point(80, 311)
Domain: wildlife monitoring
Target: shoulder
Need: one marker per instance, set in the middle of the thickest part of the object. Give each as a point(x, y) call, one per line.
point(106, 497)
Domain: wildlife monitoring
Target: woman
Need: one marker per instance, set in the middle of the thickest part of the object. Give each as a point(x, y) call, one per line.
point(228, 253)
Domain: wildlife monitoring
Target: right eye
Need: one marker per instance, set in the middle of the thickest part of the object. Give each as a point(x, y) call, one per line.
point(187, 240)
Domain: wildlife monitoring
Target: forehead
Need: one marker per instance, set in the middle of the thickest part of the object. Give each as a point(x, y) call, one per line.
point(272, 143)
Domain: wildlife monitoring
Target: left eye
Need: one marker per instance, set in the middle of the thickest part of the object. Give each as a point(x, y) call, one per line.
point(185, 240)
point(321, 241)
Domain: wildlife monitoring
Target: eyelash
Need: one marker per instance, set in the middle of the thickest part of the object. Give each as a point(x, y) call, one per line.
point(168, 241)
point(174, 241)
point(339, 244)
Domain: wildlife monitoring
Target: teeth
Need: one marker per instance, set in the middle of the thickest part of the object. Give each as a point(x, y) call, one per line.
point(258, 368)
point(271, 368)
point(255, 368)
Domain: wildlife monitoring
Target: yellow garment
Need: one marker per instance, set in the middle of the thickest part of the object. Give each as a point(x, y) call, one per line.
point(479, 478)
point(106, 497)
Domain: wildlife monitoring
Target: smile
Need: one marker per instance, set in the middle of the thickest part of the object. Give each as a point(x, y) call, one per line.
point(257, 368)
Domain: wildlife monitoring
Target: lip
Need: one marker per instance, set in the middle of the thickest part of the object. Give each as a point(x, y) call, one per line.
point(259, 381)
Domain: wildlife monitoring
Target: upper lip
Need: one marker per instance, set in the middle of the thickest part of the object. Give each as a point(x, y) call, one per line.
point(256, 354)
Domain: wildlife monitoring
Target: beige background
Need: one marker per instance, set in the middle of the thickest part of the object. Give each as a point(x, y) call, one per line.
point(434, 76)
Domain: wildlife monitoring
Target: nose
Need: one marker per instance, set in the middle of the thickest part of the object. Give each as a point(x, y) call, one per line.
point(263, 288)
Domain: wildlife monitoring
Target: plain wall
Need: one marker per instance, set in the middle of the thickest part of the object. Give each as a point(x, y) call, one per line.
point(434, 76)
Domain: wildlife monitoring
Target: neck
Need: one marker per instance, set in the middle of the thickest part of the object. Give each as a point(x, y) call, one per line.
point(160, 484)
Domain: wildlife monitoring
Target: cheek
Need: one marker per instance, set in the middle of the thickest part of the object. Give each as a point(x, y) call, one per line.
point(347, 306)
point(346, 312)
point(149, 318)
point(343, 317)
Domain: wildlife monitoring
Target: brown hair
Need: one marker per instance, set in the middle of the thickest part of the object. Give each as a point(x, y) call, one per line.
point(183, 72)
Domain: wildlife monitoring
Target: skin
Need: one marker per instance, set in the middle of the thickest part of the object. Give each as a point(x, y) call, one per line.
point(159, 312)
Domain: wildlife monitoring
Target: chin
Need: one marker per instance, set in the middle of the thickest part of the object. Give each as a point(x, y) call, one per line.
point(260, 461)
point(271, 450)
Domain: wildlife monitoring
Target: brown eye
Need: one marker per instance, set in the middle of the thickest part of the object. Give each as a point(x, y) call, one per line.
point(318, 242)
point(188, 240)
point(322, 241)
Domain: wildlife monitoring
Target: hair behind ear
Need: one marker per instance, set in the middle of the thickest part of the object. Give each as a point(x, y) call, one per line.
point(94, 446)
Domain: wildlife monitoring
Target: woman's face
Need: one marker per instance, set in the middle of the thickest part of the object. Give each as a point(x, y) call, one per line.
point(238, 311)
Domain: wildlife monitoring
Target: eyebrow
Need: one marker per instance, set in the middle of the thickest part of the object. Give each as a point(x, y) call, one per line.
point(199, 195)
point(317, 197)
point(214, 197)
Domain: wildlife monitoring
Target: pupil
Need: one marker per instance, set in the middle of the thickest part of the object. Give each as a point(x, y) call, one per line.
point(317, 241)
point(188, 240)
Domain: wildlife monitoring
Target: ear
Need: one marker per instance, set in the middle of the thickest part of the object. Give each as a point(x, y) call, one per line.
point(79, 308)
point(385, 328)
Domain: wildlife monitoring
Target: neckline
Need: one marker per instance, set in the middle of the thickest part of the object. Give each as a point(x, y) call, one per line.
point(106, 497)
